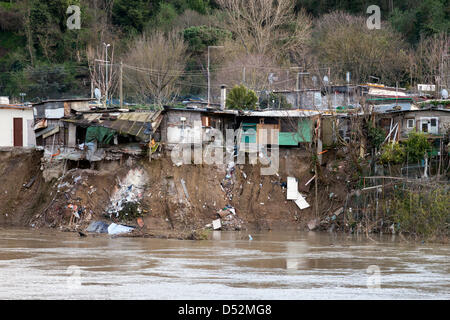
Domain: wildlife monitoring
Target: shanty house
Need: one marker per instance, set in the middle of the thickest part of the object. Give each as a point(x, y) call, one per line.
point(398, 123)
point(194, 125)
point(16, 126)
point(49, 129)
point(257, 127)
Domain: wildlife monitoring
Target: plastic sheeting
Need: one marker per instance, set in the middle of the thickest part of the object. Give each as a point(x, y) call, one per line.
point(98, 226)
point(119, 229)
point(101, 134)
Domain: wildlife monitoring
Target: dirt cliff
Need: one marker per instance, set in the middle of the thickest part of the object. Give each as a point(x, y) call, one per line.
point(169, 197)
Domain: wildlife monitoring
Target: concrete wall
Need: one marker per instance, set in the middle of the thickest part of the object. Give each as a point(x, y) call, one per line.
point(174, 130)
point(316, 101)
point(6, 127)
point(443, 121)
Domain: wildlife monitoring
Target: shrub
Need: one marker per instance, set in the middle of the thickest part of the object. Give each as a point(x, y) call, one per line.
point(416, 146)
point(241, 98)
point(376, 136)
point(422, 213)
point(393, 153)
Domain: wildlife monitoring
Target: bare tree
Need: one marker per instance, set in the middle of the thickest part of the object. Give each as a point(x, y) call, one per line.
point(97, 68)
point(345, 43)
point(430, 63)
point(154, 65)
point(264, 25)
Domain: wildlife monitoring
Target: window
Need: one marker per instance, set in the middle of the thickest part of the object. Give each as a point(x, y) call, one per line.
point(424, 127)
point(410, 124)
point(429, 125)
point(433, 122)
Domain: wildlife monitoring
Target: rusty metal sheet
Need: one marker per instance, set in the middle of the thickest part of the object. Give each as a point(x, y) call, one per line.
point(132, 123)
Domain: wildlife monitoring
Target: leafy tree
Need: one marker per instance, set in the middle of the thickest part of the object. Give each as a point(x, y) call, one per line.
point(132, 15)
point(416, 146)
point(199, 38)
point(423, 18)
point(241, 98)
point(165, 17)
point(376, 136)
point(393, 153)
point(201, 6)
point(51, 80)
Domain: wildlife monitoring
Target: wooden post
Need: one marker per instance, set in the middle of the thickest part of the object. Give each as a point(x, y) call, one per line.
point(121, 85)
point(150, 151)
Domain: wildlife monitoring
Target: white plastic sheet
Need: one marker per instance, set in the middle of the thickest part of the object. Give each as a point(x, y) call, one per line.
point(292, 188)
point(118, 229)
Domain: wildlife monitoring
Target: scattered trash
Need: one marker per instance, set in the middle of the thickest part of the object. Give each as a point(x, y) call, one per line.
point(81, 234)
point(118, 229)
point(250, 237)
point(293, 194)
point(301, 202)
point(63, 185)
point(310, 180)
point(227, 210)
point(184, 188)
point(92, 190)
point(292, 188)
point(140, 222)
point(74, 208)
point(312, 224)
point(338, 211)
point(29, 184)
point(77, 179)
point(216, 224)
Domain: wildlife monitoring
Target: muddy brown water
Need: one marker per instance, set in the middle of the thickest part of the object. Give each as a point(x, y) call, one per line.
point(36, 264)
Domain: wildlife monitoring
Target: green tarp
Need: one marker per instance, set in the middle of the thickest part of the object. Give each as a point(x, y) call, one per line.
point(303, 133)
point(101, 134)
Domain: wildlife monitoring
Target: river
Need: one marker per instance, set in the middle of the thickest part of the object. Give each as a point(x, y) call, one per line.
point(41, 264)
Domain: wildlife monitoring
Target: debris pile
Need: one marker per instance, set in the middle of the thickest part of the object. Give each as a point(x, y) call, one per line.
point(227, 183)
point(293, 194)
point(227, 220)
point(125, 201)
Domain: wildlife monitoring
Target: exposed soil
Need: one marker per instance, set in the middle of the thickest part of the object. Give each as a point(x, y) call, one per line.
point(166, 209)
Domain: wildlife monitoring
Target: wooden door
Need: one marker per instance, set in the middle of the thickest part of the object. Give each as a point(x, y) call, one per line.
point(18, 132)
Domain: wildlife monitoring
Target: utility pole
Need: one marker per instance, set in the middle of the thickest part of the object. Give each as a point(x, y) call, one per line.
point(209, 78)
point(121, 85)
point(106, 79)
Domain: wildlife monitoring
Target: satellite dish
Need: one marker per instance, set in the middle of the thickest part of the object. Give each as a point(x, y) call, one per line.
point(97, 93)
point(325, 79)
point(444, 94)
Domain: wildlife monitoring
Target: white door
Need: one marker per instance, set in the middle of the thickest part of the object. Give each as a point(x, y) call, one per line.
point(429, 125)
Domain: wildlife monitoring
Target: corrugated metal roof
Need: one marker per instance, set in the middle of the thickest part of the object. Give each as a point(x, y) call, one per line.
point(282, 113)
point(131, 123)
point(64, 100)
point(14, 106)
